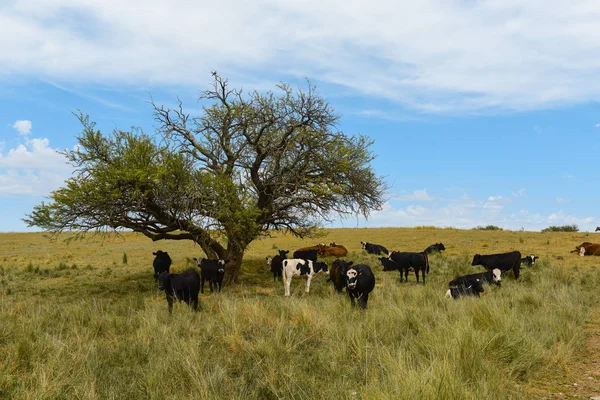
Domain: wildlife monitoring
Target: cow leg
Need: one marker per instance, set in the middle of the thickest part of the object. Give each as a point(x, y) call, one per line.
point(417, 275)
point(352, 298)
point(423, 273)
point(286, 285)
point(194, 302)
point(170, 302)
point(308, 283)
point(517, 271)
point(362, 301)
point(210, 285)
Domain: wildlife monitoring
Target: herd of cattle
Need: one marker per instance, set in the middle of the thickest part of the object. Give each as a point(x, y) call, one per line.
point(358, 280)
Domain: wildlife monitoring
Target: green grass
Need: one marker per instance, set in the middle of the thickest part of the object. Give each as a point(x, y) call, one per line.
point(77, 322)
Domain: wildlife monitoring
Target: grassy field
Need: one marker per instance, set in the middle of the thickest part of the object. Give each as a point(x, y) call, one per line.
point(85, 320)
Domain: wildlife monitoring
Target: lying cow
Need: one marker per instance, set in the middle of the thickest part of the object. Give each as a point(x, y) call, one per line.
point(434, 248)
point(183, 287)
point(372, 248)
point(406, 260)
point(587, 249)
point(490, 277)
point(337, 274)
point(504, 262)
point(360, 281)
point(161, 263)
point(276, 264)
point(306, 254)
point(335, 251)
point(212, 271)
point(459, 291)
point(529, 260)
point(300, 267)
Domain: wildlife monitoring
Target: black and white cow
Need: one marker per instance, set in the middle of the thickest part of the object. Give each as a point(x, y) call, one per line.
point(504, 262)
point(406, 260)
point(435, 248)
point(360, 281)
point(276, 264)
point(161, 263)
point(294, 267)
point(490, 277)
point(529, 260)
point(182, 287)
point(212, 271)
point(306, 254)
point(459, 291)
point(372, 248)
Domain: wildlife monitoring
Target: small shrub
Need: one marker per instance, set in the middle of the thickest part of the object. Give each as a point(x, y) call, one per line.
point(61, 266)
point(488, 228)
point(89, 267)
point(30, 267)
point(562, 228)
point(124, 258)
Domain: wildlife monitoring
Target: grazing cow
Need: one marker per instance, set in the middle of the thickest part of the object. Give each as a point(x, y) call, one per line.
point(301, 267)
point(459, 291)
point(306, 254)
point(337, 274)
point(587, 249)
point(435, 248)
point(335, 251)
point(490, 277)
point(372, 248)
point(276, 265)
point(360, 281)
point(183, 287)
point(161, 263)
point(504, 262)
point(529, 260)
point(212, 271)
point(406, 260)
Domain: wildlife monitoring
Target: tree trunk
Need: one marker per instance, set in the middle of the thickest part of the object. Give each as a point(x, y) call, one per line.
point(235, 257)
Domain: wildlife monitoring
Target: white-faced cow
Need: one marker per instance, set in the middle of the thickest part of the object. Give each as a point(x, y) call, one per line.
point(182, 287)
point(161, 263)
point(299, 267)
point(503, 261)
point(212, 271)
point(360, 281)
point(490, 277)
point(587, 249)
point(405, 260)
point(276, 264)
point(372, 248)
point(529, 260)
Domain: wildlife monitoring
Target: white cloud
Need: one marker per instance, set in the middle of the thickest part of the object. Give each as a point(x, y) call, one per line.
point(22, 126)
point(416, 196)
point(429, 55)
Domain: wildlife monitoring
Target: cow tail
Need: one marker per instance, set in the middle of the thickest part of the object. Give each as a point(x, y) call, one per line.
point(426, 261)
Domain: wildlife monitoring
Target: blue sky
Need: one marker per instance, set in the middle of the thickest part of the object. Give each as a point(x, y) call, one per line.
point(482, 113)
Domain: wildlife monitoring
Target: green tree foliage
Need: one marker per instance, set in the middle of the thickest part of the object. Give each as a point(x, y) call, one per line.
point(248, 164)
point(562, 228)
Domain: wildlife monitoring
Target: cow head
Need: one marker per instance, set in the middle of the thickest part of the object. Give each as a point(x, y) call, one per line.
point(497, 276)
point(582, 251)
point(222, 263)
point(364, 245)
point(269, 261)
point(283, 253)
point(532, 258)
point(597, 229)
point(476, 259)
point(160, 253)
point(164, 280)
point(440, 246)
point(351, 278)
point(198, 261)
point(320, 267)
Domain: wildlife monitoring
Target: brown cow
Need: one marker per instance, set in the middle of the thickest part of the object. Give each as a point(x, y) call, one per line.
point(335, 251)
point(587, 249)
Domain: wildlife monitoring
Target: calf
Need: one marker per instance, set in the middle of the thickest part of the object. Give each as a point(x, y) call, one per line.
point(276, 264)
point(388, 265)
point(360, 281)
point(459, 291)
point(435, 248)
point(161, 263)
point(372, 248)
point(406, 260)
point(300, 267)
point(504, 262)
point(306, 254)
point(490, 277)
point(212, 271)
point(337, 274)
point(529, 260)
point(183, 287)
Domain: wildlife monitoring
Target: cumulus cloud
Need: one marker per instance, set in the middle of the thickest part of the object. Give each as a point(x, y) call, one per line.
point(433, 56)
point(22, 126)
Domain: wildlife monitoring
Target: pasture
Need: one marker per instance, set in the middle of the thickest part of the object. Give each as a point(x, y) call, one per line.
point(85, 320)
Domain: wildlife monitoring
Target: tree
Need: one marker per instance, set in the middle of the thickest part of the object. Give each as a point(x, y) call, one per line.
point(249, 164)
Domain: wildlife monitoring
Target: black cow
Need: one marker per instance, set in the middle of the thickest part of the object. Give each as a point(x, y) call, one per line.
point(406, 260)
point(388, 265)
point(597, 229)
point(490, 277)
point(161, 263)
point(372, 248)
point(529, 260)
point(504, 262)
point(183, 287)
point(276, 264)
point(360, 281)
point(435, 248)
point(213, 271)
point(458, 291)
point(337, 274)
point(306, 254)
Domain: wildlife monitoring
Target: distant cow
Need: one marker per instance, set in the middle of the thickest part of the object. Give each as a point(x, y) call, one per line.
point(276, 264)
point(335, 251)
point(435, 248)
point(183, 287)
point(490, 277)
point(306, 254)
point(212, 271)
point(301, 267)
point(161, 263)
point(504, 262)
point(597, 229)
point(587, 249)
point(372, 248)
point(360, 281)
point(406, 260)
point(337, 274)
point(459, 291)
point(529, 260)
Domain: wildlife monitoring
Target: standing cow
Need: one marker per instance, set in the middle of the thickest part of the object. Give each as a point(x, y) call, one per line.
point(182, 287)
point(295, 267)
point(406, 260)
point(337, 274)
point(161, 263)
point(360, 281)
point(503, 261)
point(212, 271)
point(276, 264)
